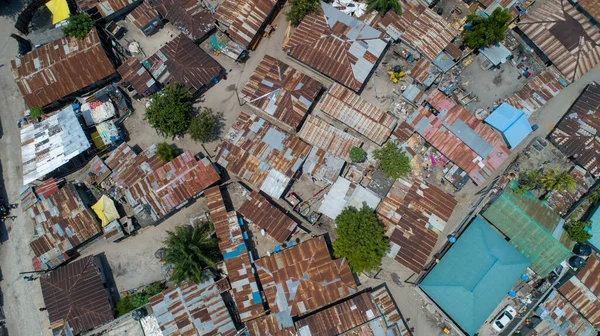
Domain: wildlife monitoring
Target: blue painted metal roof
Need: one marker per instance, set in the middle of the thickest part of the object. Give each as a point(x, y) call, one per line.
point(512, 122)
point(595, 218)
point(474, 275)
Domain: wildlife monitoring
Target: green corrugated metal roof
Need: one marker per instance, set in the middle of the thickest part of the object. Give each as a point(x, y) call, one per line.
point(533, 228)
point(474, 275)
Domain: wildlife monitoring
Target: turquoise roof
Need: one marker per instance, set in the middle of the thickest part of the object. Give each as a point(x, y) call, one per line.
point(595, 241)
point(474, 275)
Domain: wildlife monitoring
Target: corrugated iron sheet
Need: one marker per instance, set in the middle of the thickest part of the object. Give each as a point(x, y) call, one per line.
point(235, 252)
point(419, 27)
point(583, 299)
point(323, 166)
point(565, 36)
point(538, 91)
point(304, 278)
point(75, 297)
point(590, 274)
point(244, 18)
point(415, 213)
point(281, 91)
point(133, 73)
point(576, 134)
point(143, 15)
point(62, 222)
point(128, 168)
point(193, 309)
point(190, 16)
point(254, 148)
point(258, 210)
point(337, 45)
point(104, 7)
point(357, 113)
point(47, 188)
point(592, 7)
point(560, 318)
point(268, 325)
point(329, 138)
point(454, 51)
point(60, 68)
point(561, 202)
point(95, 171)
point(181, 60)
point(422, 72)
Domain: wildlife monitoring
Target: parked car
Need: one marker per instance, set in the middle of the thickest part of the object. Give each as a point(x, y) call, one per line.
point(504, 318)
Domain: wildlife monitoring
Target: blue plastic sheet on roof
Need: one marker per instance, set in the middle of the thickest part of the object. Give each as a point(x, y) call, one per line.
point(256, 297)
point(512, 122)
point(291, 243)
point(234, 253)
point(245, 235)
point(277, 248)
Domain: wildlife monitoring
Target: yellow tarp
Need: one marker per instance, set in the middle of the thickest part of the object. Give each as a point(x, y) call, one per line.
point(105, 210)
point(59, 9)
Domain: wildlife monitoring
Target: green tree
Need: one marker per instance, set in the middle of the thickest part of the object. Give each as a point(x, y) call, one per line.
point(204, 126)
point(553, 179)
point(383, 6)
point(36, 112)
point(78, 26)
point(357, 154)
point(191, 250)
point(131, 302)
point(166, 152)
point(577, 231)
point(360, 239)
point(170, 111)
point(394, 162)
point(301, 8)
point(485, 31)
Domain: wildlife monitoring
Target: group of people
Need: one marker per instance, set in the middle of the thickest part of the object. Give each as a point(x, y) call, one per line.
point(5, 211)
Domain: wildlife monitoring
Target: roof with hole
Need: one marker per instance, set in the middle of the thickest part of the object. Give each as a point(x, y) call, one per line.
point(474, 275)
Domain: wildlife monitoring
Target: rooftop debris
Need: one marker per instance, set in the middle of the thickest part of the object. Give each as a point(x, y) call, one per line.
point(244, 18)
point(193, 309)
point(75, 297)
point(260, 212)
point(262, 154)
point(565, 36)
point(337, 45)
point(281, 91)
point(575, 134)
point(355, 112)
point(415, 213)
point(51, 143)
point(189, 16)
point(245, 291)
point(61, 68)
point(345, 193)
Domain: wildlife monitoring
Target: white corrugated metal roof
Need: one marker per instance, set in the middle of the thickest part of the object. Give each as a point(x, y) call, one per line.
point(345, 193)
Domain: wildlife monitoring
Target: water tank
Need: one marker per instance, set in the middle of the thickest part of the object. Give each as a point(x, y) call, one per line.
point(582, 250)
point(576, 262)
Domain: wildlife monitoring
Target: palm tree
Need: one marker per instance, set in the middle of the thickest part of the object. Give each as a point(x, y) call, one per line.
point(593, 196)
point(564, 181)
point(190, 250)
point(383, 6)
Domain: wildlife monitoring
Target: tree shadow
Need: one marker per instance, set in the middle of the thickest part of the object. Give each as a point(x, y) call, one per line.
point(10, 9)
point(219, 125)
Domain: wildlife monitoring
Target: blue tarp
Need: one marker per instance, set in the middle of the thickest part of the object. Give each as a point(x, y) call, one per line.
point(512, 122)
point(234, 253)
point(256, 297)
point(595, 231)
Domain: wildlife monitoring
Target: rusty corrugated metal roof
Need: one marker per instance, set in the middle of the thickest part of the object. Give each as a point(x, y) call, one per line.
point(193, 309)
point(258, 210)
point(60, 68)
point(337, 45)
point(323, 166)
point(415, 213)
point(590, 274)
point(565, 36)
point(95, 171)
point(538, 91)
point(235, 255)
point(561, 202)
point(262, 154)
point(592, 7)
point(357, 113)
point(244, 18)
point(133, 73)
point(104, 7)
point(583, 299)
point(303, 278)
point(453, 50)
point(142, 15)
point(419, 27)
point(561, 318)
point(268, 325)
point(190, 16)
point(181, 60)
point(62, 222)
point(128, 168)
point(424, 73)
point(329, 138)
point(281, 91)
point(75, 297)
point(576, 134)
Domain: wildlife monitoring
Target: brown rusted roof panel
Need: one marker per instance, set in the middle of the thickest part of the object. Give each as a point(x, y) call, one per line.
point(142, 15)
point(105, 7)
point(244, 18)
point(190, 16)
point(329, 138)
point(583, 299)
point(258, 210)
point(133, 72)
point(575, 134)
point(281, 91)
point(75, 293)
point(268, 325)
point(562, 201)
point(592, 7)
point(590, 275)
point(538, 91)
point(60, 68)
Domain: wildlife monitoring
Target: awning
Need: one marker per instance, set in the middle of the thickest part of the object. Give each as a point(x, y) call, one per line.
point(59, 10)
point(105, 210)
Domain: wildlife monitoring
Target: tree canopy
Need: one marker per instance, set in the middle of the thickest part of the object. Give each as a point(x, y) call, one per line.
point(166, 152)
point(485, 31)
point(170, 111)
point(190, 250)
point(547, 180)
point(204, 126)
point(383, 6)
point(360, 239)
point(36, 112)
point(301, 8)
point(78, 26)
point(393, 161)
point(577, 231)
point(357, 154)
